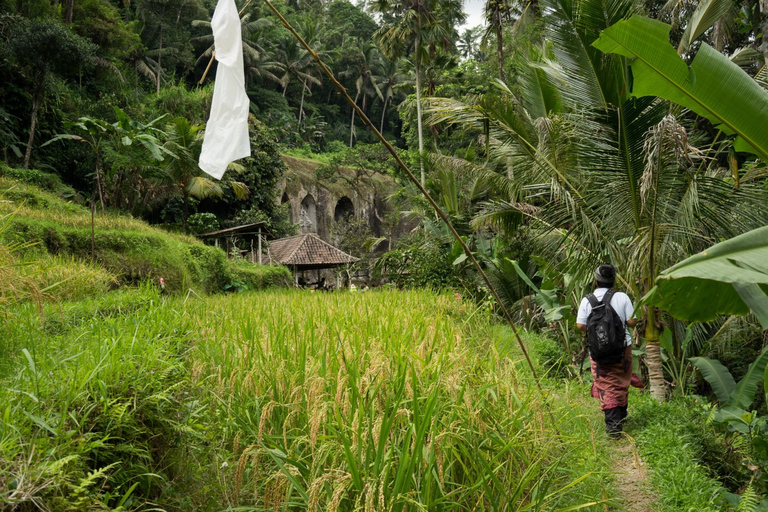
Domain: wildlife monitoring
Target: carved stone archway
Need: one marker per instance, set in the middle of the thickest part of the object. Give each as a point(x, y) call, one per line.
point(344, 210)
point(308, 215)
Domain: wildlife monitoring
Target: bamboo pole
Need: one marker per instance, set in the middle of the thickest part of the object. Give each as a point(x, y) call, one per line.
point(364, 118)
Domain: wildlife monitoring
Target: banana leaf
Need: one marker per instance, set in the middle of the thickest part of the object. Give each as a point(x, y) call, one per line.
point(712, 86)
point(744, 394)
point(728, 278)
point(717, 375)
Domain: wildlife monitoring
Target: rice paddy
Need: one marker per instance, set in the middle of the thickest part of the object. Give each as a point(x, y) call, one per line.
point(283, 400)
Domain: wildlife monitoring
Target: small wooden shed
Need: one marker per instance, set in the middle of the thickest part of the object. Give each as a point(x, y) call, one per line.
point(254, 233)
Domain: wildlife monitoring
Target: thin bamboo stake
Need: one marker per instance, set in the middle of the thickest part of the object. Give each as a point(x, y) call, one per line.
point(213, 55)
point(418, 184)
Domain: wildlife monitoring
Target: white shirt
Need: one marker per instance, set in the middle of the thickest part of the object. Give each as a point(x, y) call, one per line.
point(620, 302)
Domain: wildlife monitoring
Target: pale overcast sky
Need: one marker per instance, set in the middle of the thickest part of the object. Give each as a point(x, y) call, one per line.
point(474, 10)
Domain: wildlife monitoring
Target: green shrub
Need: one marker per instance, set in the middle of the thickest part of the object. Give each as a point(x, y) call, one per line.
point(202, 222)
point(43, 180)
point(249, 276)
point(551, 357)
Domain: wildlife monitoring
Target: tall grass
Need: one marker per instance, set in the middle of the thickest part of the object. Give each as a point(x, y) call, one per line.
point(282, 401)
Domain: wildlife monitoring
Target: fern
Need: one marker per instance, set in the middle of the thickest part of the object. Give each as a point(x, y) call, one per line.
point(80, 498)
point(749, 500)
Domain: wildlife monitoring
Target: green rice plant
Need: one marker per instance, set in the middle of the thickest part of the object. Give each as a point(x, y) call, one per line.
point(283, 400)
point(375, 401)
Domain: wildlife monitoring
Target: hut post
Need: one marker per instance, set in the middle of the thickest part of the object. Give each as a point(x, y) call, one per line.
point(251, 250)
point(259, 245)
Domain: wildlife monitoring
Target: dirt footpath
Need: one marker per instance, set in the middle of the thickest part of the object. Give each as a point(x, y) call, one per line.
point(633, 491)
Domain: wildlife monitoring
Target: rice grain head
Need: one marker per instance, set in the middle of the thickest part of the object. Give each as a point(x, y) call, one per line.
point(266, 415)
point(316, 421)
point(316, 491)
point(340, 485)
point(241, 463)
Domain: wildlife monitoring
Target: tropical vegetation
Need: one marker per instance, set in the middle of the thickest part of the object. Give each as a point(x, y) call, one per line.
point(559, 135)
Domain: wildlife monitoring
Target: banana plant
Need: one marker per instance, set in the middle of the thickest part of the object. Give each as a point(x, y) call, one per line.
point(735, 398)
point(728, 278)
point(712, 86)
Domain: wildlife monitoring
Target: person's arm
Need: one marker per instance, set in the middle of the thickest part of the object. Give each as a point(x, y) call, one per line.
point(629, 311)
point(581, 315)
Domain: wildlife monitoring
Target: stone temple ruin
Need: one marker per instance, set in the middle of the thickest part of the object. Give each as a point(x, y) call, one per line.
point(325, 209)
point(322, 207)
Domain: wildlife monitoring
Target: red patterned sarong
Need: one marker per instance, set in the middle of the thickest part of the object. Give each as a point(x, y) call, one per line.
point(611, 386)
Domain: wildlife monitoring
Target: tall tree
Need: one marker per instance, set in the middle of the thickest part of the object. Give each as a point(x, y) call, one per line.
point(393, 79)
point(365, 77)
point(497, 14)
point(165, 29)
point(467, 43)
point(41, 48)
point(296, 63)
point(417, 29)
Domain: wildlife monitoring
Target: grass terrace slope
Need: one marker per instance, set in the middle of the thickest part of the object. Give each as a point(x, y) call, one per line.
point(283, 400)
point(55, 233)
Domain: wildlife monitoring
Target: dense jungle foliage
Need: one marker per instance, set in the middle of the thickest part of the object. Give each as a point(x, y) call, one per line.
point(559, 135)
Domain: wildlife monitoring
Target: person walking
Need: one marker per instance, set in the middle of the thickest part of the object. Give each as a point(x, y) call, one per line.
point(611, 361)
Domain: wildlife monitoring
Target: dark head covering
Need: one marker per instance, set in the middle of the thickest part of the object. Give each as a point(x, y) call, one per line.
point(605, 274)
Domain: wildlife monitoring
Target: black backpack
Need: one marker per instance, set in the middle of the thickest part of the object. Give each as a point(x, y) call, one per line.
point(605, 331)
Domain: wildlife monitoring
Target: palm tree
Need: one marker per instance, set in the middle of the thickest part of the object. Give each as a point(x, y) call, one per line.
point(182, 173)
point(497, 13)
point(417, 28)
point(598, 175)
point(366, 79)
point(295, 62)
point(310, 31)
point(394, 77)
point(467, 43)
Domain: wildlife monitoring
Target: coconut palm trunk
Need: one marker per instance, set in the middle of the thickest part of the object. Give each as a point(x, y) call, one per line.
point(159, 61)
point(418, 112)
point(500, 48)
point(383, 114)
point(653, 356)
point(301, 105)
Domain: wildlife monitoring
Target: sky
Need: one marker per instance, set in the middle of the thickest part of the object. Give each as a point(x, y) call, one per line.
point(474, 10)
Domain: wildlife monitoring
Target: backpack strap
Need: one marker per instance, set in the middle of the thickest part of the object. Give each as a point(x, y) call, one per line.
point(593, 300)
point(608, 296)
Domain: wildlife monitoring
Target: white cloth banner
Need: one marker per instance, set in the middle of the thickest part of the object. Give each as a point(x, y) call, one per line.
point(226, 133)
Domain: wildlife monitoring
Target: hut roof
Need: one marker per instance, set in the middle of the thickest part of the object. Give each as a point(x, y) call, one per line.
point(306, 252)
point(246, 229)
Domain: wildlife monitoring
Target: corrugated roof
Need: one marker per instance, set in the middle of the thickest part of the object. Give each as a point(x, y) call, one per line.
point(307, 250)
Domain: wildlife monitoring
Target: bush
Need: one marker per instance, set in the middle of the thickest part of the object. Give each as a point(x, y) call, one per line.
point(202, 223)
point(248, 276)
